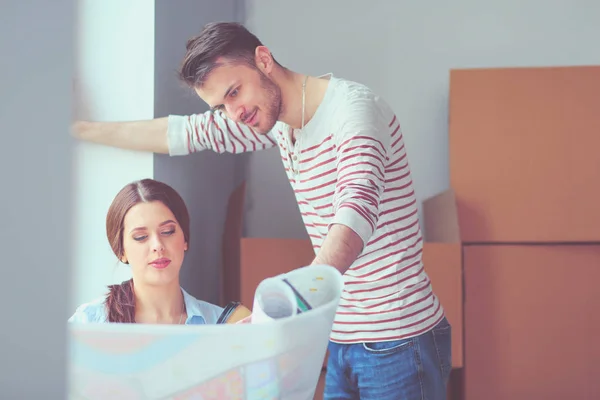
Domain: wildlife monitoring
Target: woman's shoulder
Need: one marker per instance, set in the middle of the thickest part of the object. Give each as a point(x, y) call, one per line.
point(199, 311)
point(93, 311)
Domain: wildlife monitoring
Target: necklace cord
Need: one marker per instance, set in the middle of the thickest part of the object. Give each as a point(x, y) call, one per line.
point(303, 99)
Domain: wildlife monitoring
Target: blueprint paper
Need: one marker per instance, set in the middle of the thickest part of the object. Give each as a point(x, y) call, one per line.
point(277, 356)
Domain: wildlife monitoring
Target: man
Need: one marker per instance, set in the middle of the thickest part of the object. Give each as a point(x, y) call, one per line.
point(343, 152)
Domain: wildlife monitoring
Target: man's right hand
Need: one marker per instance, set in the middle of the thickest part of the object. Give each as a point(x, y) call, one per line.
point(78, 128)
point(145, 135)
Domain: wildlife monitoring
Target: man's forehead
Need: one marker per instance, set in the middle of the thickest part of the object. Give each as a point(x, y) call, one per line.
point(218, 82)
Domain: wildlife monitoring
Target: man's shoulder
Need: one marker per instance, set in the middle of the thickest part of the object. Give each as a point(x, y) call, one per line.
point(350, 89)
point(356, 102)
point(348, 94)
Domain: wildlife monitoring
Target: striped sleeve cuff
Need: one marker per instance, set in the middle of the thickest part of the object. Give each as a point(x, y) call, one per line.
point(348, 216)
point(177, 137)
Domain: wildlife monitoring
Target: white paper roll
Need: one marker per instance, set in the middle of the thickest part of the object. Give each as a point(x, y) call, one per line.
point(273, 300)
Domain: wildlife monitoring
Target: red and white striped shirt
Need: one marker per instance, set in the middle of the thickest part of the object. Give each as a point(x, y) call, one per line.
point(348, 166)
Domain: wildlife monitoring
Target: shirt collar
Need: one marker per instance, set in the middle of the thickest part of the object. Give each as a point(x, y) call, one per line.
point(191, 307)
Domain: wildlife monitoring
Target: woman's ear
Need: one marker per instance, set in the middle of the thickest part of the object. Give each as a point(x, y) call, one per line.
point(185, 246)
point(124, 259)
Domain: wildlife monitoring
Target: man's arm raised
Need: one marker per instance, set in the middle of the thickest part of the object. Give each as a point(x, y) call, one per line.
point(145, 135)
point(176, 134)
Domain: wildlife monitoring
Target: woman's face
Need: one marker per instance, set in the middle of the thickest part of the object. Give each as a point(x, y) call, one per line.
point(153, 243)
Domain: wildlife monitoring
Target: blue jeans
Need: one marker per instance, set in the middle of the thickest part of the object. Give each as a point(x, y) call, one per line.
point(410, 369)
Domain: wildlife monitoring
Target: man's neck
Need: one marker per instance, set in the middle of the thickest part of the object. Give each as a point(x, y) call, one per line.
point(158, 304)
point(290, 84)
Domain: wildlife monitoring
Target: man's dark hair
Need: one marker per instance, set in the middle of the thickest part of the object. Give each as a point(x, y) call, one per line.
point(228, 40)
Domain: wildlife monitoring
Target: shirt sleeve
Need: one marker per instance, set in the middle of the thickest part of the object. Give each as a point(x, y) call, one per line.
point(211, 130)
point(210, 312)
point(89, 313)
point(362, 153)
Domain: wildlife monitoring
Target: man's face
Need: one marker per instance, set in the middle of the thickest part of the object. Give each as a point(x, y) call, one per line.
point(244, 94)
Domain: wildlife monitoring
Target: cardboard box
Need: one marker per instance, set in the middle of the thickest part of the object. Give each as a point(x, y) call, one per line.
point(524, 158)
point(265, 257)
point(442, 257)
point(532, 322)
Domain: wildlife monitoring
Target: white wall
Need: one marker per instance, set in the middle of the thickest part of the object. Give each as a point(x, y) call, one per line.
point(35, 111)
point(114, 81)
point(404, 51)
point(128, 55)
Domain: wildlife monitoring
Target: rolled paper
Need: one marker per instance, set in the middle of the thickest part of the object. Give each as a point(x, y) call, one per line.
point(273, 299)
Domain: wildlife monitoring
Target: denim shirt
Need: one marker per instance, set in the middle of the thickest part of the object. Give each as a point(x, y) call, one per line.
point(198, 312)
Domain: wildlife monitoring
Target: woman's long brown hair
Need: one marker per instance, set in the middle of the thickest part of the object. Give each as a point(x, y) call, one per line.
point(120, 301)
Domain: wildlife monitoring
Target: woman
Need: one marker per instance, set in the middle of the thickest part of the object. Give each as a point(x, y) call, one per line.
point(148, 227)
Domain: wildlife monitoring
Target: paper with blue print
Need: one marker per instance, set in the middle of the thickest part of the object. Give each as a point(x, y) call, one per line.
point(277, 356)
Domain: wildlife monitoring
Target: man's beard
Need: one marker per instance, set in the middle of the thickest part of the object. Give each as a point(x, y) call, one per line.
point(274, 107)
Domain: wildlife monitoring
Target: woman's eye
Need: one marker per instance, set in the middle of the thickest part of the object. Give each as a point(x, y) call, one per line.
point(234, 93)
point(172, 231)
point(139, 238)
